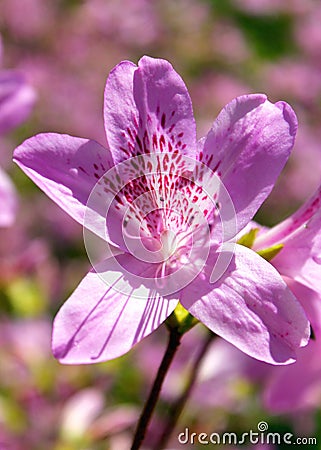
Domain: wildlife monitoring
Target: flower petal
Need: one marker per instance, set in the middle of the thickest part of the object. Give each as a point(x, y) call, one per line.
point(310, 301)
point(300, 257)
point(16, 100)
point(300, 235)
point(148, 109)
point(8, 201)
point(247, 147)
point(66, 168)
point(107, 315)
point(251, 307)
point(298, 221)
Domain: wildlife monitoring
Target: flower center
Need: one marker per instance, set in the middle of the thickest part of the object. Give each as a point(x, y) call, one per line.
point(179, 249)
point(169, 243)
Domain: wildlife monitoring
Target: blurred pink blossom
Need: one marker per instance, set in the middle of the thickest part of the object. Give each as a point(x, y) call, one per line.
point(138, 27)
point(296, 388)
point(80, 411)
point(308, 35)
point(8, 201)
point(29, 19)
point(16, 101)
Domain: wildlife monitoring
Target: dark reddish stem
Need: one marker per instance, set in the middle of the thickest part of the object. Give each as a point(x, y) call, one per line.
point(172, 346)
point(176, 409)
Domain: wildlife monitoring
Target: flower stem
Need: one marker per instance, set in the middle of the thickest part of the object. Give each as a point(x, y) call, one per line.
point(177, 407)
point(172, 346)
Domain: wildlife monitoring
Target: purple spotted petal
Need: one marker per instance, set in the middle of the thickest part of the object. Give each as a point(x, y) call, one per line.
point(251, 307)
point(103, 321)
point(8, 201)
point(66, 168)
point(16, 100)
point(247, 147)
point(148, 109)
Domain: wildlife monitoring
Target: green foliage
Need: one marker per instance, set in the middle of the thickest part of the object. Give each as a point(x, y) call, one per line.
point(23, 297)
point(26, 297)
point(269, 35)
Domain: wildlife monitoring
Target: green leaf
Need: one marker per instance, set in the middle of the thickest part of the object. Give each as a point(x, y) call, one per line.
point(248, 239)
point(271, 252)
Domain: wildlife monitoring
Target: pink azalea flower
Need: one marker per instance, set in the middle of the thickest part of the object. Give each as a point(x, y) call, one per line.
point(156, 195)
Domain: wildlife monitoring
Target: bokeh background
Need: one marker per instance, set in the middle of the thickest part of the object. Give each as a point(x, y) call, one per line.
point(65, 50)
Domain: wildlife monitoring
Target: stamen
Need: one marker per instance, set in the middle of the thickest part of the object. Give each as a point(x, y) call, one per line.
point(161, 270)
